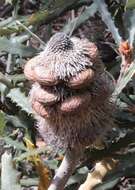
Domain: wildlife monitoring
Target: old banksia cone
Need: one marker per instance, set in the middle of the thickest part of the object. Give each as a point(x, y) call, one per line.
point(71, 92)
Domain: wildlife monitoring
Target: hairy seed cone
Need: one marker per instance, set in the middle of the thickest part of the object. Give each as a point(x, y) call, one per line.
point(71, 92)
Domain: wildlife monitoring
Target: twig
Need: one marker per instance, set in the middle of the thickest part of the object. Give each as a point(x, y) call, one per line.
point(65, 170)
point(30, 32)
point(75, 23)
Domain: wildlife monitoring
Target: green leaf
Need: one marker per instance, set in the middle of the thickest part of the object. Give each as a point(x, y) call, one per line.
point(2, 123)
point(29, 182)
point(20, 99)
point(107, 184)
point(8, 1)
point(132, 97)
point(33, 152)
point(15, 121)
point(9, 179)
point(75, 23)
point(14, 143)
point(7, 21)
point(53, 164)
point(106, 17)
point(12, 46)
point(130, 4)
point(83, 170)
point(124, 80)
point(3, 90)
point(17, 78)
point(132, 28)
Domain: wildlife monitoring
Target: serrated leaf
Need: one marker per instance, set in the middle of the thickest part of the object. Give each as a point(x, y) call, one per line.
point(16, 78)
point(14, 143)
point(14, 47)
point(30, 153)
point(9, 179)
point(20, 99)
point(15, 121)
point(106, 17)
point(75, 23)
point(83, 170)
point(124, 80)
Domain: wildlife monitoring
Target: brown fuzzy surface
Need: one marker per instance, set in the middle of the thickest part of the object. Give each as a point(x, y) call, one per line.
point(83, 126)
point(71, 94)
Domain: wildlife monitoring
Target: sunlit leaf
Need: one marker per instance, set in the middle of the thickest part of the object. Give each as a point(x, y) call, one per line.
point(14, 47)
point(129, 22)
point(20, 99)
point(9, 176)
point(29, 182)
point(15, 121)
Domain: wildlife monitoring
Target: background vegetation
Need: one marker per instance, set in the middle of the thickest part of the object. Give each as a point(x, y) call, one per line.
point(25, 27)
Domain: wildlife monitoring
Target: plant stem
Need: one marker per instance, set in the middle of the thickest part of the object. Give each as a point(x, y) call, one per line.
point(65, 170)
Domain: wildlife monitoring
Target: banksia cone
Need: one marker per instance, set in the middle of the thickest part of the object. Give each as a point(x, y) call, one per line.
point(71, 91)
